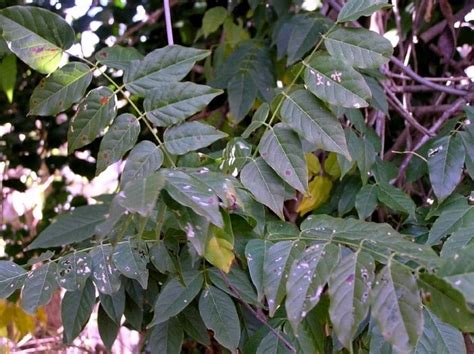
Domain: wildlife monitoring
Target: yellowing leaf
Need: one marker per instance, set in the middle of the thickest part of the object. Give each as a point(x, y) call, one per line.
point(319, 189)
point(312, 162)
point(20, 323)
point(331, 167)
point(219, 253)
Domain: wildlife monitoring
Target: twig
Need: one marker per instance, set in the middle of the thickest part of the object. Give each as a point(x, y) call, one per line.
point(407, 70)
point(256, 314)
point(169, 27)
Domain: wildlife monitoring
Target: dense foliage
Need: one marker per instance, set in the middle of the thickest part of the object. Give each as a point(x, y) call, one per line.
point(263, 205)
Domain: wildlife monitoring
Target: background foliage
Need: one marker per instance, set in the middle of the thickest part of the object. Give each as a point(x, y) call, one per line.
point(286, 178)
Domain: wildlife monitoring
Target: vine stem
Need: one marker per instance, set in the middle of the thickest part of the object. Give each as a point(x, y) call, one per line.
point(293, 82)
point(169, 28)
point(141, 115)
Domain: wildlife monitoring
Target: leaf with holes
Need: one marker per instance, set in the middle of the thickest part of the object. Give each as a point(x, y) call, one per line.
point(219, 314)
point(117, 57)
point(37, 36)
point(190, 136)
point(144, 159)
point(172, 102)
point(74, 270)
point(396, 306)
point(12, 277)
point(266, 186)
point(60, 90)
point(121, 137)
point(175, 296)
point(40, 286)
point(168, 64)
point(445, 164)
point(349, 288)
point(307, 278)
point(104, 273)
point(359, 47)
point(336, 82)
point(131, 259)
point(276, 269)
point(354, 9)
point(309, 118)
point(73, 227)
point(94, 114)
point(191, 192)
point(281, 149)
point(76, 309)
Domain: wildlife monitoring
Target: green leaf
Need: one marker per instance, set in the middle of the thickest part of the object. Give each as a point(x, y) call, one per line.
point(219, 314)
point(396, 306)
point(114, 305)
point(359, 47)
point(57, 92)
point(40, 286)
point(349, 288)
point(104, 273)
point(144, 159)
point(73, 227)
point(161, 258)
point(366, 201)
point(379, 237)
point(271, 344)
point(172, 102)
point(235, 156)
point(169, 64)
point(117, 57)
point(395, 199)
point(37, 36)
point(108, 329)
point(336, 82)
point(264, 184)
point(93, 115)
point(242, 92)
point(445, 302)
point(276, 269)
point(354, 9)
point(439, 337)
point(445, 165)
point(140, 195)
point(239, 282)
point(121, 137)
point(175, 296)
point(459, 272)
point(167, 337)
point(453, 216)
point(296, 36)
point(191, 192)
point(76, 309)
point(74, 270)
point(307, 278)
point(8, 77)
point(213, 19)
point(131, 259)
point(246, 74)
point(363, 152)
point(281, 149)
point(459, 239)
point(379, 100)
point(12, 277)
point(467, 137)
point(259, 117)
point(308, 117)
point(194, 326)
point(255, 253)
point(190, 136)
